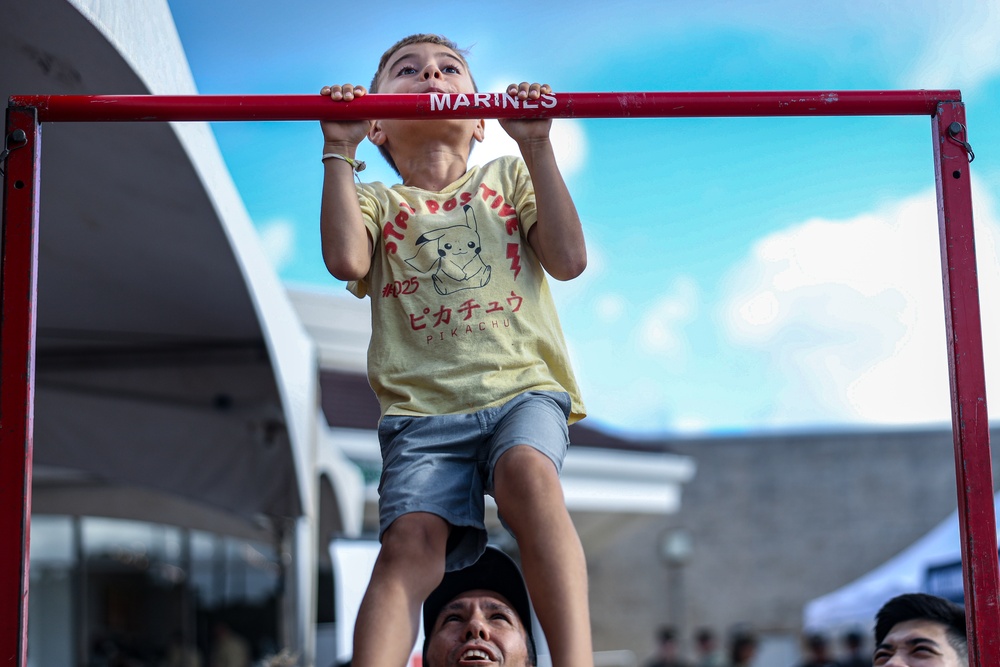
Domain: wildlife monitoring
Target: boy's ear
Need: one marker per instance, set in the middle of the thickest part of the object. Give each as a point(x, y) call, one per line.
point(376, 135)
point(480, 131)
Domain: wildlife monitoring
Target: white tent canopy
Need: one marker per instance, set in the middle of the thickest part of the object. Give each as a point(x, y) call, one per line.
point(855, 605)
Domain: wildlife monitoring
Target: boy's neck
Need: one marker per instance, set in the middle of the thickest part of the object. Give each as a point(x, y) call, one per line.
point(431, 167)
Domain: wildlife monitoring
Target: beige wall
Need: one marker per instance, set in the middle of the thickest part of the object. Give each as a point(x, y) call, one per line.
point(775, 522)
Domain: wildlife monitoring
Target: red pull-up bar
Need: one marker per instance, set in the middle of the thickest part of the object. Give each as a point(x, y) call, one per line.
point(952, 154)
point(98, 108)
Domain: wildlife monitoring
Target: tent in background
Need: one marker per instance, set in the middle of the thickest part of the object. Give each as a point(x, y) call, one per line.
point(938, 552)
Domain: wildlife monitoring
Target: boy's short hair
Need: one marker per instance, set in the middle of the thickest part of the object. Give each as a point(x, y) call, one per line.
point(420, 38)
point(924, 607)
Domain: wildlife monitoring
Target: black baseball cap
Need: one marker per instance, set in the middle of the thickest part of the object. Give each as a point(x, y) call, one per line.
point(494, 571)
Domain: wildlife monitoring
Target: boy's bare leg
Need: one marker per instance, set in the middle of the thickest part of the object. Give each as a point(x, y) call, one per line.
point(409, 566)
point(530, 498)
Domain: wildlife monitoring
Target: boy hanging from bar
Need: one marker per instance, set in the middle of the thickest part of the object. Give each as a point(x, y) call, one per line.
point(467, 356)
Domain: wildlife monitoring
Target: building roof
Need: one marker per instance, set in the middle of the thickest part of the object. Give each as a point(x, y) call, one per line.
point(168, 356)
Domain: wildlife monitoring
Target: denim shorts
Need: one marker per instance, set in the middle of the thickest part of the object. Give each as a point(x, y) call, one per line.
point(443, 464)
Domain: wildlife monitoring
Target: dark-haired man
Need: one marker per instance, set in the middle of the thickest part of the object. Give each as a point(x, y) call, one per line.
point(817, 651)
point(667, 651)
point(920, 630)
point(855, 655)
point(480, 615)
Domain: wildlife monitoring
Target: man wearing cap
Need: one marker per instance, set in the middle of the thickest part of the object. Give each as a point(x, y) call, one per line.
point(480, 615)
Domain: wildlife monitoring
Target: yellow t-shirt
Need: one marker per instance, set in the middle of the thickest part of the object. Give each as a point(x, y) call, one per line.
point(462, 316)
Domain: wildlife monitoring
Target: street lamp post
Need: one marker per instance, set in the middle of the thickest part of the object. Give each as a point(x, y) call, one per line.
point(675, 550)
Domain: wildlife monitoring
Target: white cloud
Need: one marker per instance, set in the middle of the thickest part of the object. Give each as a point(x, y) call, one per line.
point(661, 330)
point(610, 307)
point(278, 239)
point(961, 49)
point(851, 314)
point(918, 43)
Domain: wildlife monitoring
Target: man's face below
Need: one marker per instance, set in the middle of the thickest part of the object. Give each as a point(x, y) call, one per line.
point(917, 643)
point(476, 629)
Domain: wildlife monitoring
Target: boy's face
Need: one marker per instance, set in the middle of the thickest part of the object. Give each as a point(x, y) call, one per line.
point(425, 68)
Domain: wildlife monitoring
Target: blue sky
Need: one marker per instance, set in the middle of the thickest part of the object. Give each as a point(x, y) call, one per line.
point(745, 274)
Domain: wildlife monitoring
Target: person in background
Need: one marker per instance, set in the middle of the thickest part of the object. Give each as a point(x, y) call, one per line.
point(920, 630)
point(667, 652)
point(180, 654)
point(854, 656)
point(817, 652)
point(228, 648)
point(706, 649)
point(742, 648)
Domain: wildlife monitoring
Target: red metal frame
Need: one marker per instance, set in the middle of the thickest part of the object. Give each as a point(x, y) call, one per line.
point(102, 108)
point(18, 273)
point(970, 424)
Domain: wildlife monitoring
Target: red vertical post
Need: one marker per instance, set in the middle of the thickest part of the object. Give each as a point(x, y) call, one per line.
point(18, 282)
point(973, 466)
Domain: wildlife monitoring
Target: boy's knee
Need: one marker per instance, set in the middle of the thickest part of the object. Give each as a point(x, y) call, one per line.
point(524, 479)
point(417, 537)
point(412, 554)
point(526, 467)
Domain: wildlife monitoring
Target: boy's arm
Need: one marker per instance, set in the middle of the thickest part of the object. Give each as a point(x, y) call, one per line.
point(347, 246)
point(557, 236)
